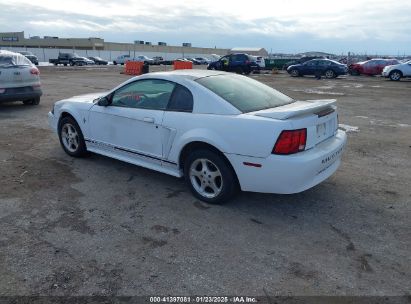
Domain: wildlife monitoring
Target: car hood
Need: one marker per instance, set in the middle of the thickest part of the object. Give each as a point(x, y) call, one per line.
point(399, 65)
point(86, 98)
point(297, 65)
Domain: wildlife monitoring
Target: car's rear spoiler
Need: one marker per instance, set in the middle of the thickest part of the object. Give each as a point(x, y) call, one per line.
point(297, 108)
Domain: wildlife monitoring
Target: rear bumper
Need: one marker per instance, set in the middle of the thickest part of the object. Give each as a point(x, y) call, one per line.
point(287, 174)
point(20, 96)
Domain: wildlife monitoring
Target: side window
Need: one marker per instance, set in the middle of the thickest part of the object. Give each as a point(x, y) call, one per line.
point(152, 94)
point(181, 100)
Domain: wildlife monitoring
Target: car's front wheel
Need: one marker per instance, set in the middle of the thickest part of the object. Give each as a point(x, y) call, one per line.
point(71, 137)
point(330, 74)
point(294, 73)
point(395, 75)
point(209, 176)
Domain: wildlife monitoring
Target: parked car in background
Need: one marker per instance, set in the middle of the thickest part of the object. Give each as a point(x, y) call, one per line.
point(158, 60)
point(239, 63)
point(371, 67)
point(260, 61)
point(324, 67)
point(182, 59)
point(145, 59)
point(397, 71)
point(300, 61)
point(30, 56)
point(88, 61)
point(202, 125)
point(19, 79)
point(98, 60)
point(122, 59)
point(68, 59)
point(202, 60)
point(194, 61)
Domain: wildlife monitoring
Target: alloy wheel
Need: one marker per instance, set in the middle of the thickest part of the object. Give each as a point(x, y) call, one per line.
point(206, 178)
point(70, 137)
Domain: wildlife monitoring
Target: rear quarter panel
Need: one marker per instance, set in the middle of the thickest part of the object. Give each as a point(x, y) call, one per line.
point(235, 134)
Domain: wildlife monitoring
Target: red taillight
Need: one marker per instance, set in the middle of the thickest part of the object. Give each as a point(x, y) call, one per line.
point(34, 71)
point(247, 62)
point(290, 141)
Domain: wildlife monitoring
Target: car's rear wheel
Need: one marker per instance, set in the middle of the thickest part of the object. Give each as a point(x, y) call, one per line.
point(34, 101)
point(209, 177)
point(294, 73)
point(71, 137)
point(329, 74)
point(395, 75)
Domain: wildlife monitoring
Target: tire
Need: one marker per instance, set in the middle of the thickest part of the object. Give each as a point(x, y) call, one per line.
point(330, 74)
point(219, 182)
point(114, 62)
point(71, 137)
point(32, 102)
point(395, 75)
point(65, 64)
point(294, 73)
point(239, 70)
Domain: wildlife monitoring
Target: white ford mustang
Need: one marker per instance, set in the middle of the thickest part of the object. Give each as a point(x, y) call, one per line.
point(221, 131)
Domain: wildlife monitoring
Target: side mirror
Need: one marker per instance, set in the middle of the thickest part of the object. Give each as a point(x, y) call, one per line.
point(103, 102)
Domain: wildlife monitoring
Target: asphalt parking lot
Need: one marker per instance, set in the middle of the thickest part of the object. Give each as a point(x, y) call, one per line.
point(98, 226)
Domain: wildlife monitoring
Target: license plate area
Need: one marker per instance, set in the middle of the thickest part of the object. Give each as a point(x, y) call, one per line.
point(325, 129)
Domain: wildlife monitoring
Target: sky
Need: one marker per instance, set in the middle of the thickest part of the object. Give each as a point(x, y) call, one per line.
point(286, 26)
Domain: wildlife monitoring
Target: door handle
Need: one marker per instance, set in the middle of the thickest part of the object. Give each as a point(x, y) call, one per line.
point(148, 119)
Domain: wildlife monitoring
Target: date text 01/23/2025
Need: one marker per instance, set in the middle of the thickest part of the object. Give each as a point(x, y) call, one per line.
point(202, 299)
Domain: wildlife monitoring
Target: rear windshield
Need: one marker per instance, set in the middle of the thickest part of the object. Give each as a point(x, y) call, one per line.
point(9, 60)
point(244, 93)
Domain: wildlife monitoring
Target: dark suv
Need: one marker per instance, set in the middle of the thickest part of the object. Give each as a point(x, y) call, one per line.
point(239, 63)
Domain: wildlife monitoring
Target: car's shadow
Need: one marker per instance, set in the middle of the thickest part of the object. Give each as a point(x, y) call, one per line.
point(16, 107)
point(255, 205)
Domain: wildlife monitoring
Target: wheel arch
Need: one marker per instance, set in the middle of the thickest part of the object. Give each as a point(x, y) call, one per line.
point(202, 145)
point(397, 70)
point(66, 113)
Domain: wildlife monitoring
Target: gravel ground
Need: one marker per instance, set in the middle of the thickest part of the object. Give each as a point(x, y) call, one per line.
point(98, 226)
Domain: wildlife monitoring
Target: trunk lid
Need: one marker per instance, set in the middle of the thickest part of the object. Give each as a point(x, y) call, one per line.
point(18, 76)
point(319, 117)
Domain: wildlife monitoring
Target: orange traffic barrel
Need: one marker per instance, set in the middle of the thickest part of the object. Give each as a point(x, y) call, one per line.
point(134, 68)
point(182, 65)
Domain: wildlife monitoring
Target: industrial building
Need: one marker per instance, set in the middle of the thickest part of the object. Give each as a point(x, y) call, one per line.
point(49, 46)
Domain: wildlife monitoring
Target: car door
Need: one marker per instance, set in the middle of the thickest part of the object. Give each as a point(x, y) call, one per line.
point(369, 67)
point(131, 125)
point(406, 69)
point(223, 63)
point(310, 67)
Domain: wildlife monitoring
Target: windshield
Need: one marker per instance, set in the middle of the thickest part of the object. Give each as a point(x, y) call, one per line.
point(244, 93)
point(12, 59)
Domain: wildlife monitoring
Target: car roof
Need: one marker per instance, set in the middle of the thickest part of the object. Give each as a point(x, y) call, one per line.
point(191, 74)
point(4, 52)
